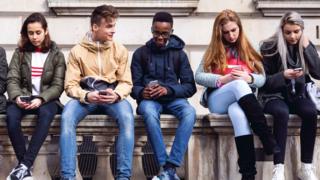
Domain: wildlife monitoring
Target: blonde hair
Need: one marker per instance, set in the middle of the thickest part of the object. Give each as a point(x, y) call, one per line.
point(278, 41)
point(215, 56)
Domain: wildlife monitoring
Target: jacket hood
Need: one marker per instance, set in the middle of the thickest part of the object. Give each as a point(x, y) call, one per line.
point(174, 42)
point(91, 45)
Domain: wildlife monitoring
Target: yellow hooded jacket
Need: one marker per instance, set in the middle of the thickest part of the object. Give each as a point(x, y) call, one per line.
point(108, 62)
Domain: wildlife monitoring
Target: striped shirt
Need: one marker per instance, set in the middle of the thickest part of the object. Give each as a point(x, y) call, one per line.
point(37, 63)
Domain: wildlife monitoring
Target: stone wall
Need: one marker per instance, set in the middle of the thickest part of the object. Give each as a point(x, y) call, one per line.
point(133, 30)
point(211, 153)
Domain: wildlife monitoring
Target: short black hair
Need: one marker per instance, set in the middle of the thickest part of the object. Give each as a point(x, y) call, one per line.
point(104, 11)
point(163, 17)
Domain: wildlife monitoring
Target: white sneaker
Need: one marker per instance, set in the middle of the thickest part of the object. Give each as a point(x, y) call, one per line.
point(306, 172)
point(278, 172)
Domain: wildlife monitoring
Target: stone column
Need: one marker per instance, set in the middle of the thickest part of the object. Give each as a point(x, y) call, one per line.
point(137, 168)
point(8, 158)
point(103, 144)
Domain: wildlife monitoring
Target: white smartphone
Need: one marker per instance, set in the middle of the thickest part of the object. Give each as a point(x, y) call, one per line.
point(298, 69)
point(238, 67)
point(153, 83)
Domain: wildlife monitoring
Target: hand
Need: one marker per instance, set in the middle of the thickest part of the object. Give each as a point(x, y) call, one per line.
point(292, 74)
point(226, 78)
point(158, 91)
point(146, 93)
point(35, 103)
point(239, 74)
point(110, 97)
point(93, 97)
point(21, 104)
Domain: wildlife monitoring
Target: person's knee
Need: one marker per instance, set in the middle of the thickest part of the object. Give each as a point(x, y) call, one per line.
point(240, 85)
point(68, 124)
point(189, 114)
point(281, 117)
point(12, 124)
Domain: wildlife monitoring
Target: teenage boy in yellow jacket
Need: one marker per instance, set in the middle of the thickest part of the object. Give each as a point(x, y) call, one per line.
point(101, 61)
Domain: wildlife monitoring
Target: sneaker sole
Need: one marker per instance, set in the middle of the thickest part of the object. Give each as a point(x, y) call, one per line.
point(28, 178)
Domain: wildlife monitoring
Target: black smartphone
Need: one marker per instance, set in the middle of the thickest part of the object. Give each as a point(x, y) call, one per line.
point(26, 99)
point(103, 93)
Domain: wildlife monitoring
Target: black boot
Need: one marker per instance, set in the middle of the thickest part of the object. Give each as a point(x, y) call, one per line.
point(247, 160)
point(258, 123)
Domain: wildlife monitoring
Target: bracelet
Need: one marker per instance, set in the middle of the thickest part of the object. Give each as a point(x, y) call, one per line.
point(218, 83)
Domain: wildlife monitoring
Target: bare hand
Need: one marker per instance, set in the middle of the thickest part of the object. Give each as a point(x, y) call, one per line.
point(21, 104)
point(35, 103)
point(110, 97)
point(239, 74)
point(93, 97)
point(146, 93)
point(226, 78)
point(292, 74)
point(158, 91)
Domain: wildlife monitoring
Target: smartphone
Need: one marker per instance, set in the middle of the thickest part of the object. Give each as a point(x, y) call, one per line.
point(103, 93)
point(238, 67)
point(298, 69)
point(153, 83)
point(26, 99)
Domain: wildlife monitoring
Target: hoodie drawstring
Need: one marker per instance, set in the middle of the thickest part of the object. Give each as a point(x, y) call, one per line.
point(99, 59)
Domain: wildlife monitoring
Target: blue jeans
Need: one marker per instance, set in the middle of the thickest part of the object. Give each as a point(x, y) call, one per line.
point(225, 101)
point(74, 112)
point(151, 110)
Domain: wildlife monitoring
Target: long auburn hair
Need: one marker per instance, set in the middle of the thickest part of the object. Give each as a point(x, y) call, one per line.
point(215, 56)
point(25, 44)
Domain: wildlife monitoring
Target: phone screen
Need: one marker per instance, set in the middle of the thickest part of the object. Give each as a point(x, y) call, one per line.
point(26, 99)
point(297, 69)
point(153, 83)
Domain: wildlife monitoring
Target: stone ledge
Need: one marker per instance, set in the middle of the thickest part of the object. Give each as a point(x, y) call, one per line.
point(278, 7)
point(125, 7)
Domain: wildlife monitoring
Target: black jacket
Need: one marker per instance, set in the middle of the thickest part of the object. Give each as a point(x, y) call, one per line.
point(152, 63)
point(276, 86)
point(3, 79)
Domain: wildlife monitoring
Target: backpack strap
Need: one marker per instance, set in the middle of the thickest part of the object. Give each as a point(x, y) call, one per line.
point(144, 59)
point(176, 61)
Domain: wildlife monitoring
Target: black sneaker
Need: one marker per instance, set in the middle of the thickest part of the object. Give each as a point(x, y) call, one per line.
point(21, 172)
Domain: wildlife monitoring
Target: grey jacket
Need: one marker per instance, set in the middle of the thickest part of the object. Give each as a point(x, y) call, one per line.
point(3, 79)
point(208, 80)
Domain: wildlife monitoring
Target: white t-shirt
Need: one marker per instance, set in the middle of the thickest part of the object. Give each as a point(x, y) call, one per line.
point(37, 63)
